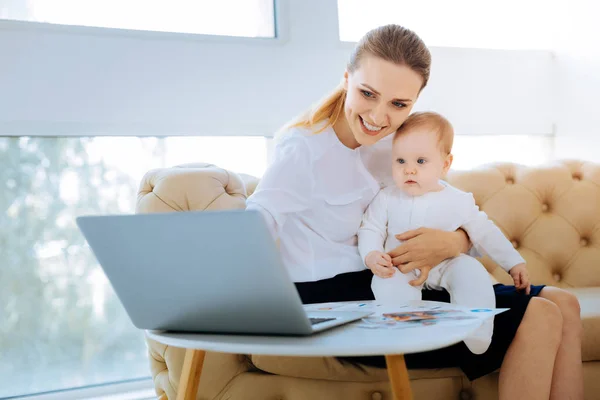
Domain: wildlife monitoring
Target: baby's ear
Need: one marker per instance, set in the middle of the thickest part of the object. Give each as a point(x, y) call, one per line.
point(448, 162)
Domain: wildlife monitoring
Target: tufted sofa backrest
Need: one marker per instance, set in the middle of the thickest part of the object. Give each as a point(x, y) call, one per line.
point(550, 213)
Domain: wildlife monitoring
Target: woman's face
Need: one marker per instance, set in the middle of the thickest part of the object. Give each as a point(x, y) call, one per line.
point(380, 96)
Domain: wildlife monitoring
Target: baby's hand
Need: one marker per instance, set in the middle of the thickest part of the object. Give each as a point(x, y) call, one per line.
point(521, 277)
point(380, 264)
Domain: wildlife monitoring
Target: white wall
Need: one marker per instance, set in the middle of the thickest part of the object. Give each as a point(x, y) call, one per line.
point(57, 81)
point(578, 72)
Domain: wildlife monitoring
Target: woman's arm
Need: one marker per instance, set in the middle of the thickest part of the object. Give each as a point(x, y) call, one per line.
point(286, 186)
point(425, 248)
point(462, 240)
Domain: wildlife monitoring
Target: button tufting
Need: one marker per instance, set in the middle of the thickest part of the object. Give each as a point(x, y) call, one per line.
point(510, 181)
point(584, 242)
point(376, 396)
point(515, 244)
point(465, 395)
point(557, 277)
point(545, 207)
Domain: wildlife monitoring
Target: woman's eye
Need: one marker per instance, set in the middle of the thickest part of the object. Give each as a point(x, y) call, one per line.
point(366, 93)
point(421, 161)
point(400, 161)
point(398, 104)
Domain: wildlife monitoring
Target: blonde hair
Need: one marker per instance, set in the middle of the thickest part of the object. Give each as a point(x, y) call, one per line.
point(392, 43)
point(432, 122)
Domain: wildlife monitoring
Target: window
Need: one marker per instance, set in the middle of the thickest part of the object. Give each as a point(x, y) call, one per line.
point(473, 151)
point(248, 18)
point(62, 325)
point(508, 24)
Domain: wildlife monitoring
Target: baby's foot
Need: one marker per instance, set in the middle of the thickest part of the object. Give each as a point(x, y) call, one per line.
point(480, 340)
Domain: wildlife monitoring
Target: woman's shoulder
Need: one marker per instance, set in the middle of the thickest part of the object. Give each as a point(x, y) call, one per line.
point(291, 137)
point(376, 159)
point(293, 131)
point(310, 139)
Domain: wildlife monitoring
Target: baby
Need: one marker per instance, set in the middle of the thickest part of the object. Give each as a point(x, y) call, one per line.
point(421, 152)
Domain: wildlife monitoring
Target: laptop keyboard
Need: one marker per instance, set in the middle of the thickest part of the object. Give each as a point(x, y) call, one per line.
point(315, 321)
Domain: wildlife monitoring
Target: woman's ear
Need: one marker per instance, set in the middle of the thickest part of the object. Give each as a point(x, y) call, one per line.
point(345, 80)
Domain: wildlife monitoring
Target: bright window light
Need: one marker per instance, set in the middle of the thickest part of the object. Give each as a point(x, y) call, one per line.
point(62, 326)
point(247, 18)
point(508, 24)
point(476, 150)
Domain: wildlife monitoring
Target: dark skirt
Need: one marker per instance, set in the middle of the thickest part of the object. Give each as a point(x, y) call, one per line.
point(356, 286)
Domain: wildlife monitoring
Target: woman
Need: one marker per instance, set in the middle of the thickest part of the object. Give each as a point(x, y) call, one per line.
point(328, 166)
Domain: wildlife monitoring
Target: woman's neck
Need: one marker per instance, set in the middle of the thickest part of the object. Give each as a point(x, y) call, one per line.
point(344, 133)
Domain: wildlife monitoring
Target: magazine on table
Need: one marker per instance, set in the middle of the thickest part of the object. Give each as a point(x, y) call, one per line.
point(412, 314)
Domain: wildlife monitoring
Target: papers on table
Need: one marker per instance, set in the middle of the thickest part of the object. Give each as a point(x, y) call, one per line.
point(413, 314)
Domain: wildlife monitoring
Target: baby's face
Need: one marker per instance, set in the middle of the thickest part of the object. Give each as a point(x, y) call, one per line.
point(418, 162)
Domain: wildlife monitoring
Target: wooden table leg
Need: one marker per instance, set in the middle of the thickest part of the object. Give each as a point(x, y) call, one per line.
point(190, 374)
point(398, 374)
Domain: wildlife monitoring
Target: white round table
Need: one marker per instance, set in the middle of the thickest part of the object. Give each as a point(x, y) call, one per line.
point(346, 340)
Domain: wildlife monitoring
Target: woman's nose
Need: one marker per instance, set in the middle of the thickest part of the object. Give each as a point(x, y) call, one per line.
point(378, 117)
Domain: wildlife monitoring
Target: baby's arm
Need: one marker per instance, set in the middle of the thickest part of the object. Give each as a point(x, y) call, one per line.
point(486, 237)
point(373, 229)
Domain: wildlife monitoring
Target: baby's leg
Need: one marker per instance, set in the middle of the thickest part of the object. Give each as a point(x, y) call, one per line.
point(395, 290)
point(470, 285)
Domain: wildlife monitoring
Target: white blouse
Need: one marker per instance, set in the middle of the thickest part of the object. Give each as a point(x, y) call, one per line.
point(313, 196)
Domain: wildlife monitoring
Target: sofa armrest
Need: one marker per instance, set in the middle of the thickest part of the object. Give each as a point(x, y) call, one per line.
point(218, 372)
point(193, 187)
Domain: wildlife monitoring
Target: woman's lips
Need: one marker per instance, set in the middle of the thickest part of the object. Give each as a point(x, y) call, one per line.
point(367, 131)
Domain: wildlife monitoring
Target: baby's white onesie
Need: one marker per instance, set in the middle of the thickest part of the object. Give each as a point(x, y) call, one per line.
point(393, 212)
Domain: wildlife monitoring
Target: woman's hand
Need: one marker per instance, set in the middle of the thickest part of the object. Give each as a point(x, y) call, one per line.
point(424, 248)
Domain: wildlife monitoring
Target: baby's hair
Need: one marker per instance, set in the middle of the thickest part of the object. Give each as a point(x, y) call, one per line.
point(430, 121)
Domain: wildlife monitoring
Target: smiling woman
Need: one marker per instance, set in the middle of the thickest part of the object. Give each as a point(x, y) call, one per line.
point(384, 76)
point(376, 112)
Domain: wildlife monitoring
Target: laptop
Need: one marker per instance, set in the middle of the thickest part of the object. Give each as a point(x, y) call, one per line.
point(203, 272)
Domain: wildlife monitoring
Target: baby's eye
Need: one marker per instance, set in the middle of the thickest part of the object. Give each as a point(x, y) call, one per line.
point(421, 161)
point(400, 160)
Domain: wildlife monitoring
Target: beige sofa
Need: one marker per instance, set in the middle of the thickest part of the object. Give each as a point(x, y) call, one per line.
point(550, 213)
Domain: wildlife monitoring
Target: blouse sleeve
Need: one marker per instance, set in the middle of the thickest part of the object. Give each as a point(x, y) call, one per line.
point(287, 185)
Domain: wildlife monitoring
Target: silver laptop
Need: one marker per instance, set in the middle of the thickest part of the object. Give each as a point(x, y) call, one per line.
point(216, 271)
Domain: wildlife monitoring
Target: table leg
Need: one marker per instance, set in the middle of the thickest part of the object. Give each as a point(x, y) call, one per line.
point(398, 374)
point(190, 374)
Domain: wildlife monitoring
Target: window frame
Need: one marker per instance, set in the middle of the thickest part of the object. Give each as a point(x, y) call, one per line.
point(133, 389)
point(280, 20)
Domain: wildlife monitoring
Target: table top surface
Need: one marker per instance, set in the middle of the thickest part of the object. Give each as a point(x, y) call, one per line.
point(351, 339)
